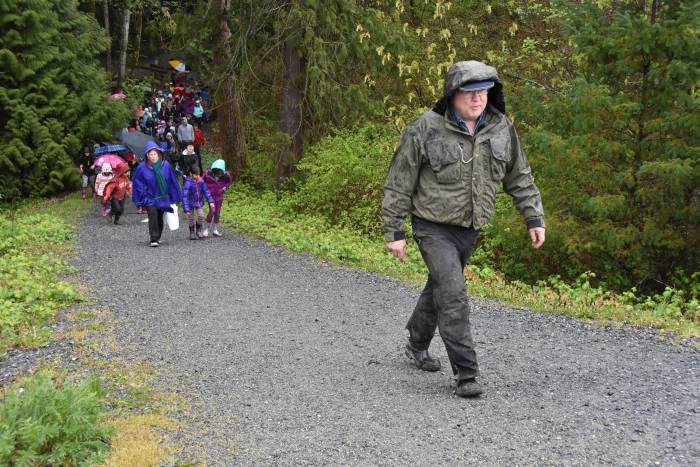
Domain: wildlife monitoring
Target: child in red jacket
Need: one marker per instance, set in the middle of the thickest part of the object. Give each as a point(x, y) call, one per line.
point(115, 191)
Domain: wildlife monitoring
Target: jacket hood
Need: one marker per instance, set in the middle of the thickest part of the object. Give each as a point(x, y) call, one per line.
point(219, 164)
point(152, 145)
point(463, 72)
point(121, 170)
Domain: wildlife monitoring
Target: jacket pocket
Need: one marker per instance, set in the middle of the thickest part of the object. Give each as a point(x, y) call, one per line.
point(500, 157)
point(443, 157)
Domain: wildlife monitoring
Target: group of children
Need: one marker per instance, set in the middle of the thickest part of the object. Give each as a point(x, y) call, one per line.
point(112, 185)
point(210, 187)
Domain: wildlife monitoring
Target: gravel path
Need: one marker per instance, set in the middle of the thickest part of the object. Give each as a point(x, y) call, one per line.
point(294, 362)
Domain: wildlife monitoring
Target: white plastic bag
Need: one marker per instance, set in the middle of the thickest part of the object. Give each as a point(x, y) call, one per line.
point(172, 219)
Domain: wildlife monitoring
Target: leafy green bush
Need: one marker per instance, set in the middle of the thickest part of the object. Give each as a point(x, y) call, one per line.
point(31, 292)
point(46, 424)
point(343, 175)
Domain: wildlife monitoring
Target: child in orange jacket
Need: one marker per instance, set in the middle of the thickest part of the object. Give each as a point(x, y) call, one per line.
point(115, 191)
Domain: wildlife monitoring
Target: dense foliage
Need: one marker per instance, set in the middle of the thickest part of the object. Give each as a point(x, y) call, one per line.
point(603, 93)
point(53, 95)
point(617, 150)
point(604, 96)
point(31, 268)
point(42, 423)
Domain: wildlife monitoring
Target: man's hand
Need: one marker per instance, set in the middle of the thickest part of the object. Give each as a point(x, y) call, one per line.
point(398, 249)
point(537, 236)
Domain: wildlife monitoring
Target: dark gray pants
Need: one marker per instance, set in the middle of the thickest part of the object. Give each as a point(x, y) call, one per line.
point(443, 303)
point(155, 222)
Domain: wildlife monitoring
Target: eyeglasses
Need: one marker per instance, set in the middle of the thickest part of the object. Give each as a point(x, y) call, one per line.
point(481, 94)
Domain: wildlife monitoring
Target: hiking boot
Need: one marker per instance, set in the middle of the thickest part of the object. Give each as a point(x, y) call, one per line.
point(154, 244)
point(198, 230)
point(422, 359)
point(469, 388)
point(193, 236)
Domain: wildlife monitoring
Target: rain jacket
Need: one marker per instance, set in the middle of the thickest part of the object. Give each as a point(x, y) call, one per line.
point(102, 180)
point(117, 187)
point(443, 174)
point(195, 191)
point(199, 140)
point(217, 187)
point(145, 188)
point(198, 111)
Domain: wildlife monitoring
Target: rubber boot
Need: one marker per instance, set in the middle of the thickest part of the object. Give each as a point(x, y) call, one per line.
point(193, 236)
point(199, 230)
point(217, 232)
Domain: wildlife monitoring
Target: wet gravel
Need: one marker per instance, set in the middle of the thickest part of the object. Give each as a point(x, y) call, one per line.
point(289, 361)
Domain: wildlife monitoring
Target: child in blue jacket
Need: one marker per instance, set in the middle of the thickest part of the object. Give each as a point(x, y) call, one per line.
point(195, 192)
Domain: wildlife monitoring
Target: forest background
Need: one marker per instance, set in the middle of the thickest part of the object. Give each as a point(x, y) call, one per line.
point(310, 97)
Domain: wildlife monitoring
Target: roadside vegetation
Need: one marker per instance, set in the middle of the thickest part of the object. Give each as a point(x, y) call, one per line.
point(90, 406)
point(281, 222)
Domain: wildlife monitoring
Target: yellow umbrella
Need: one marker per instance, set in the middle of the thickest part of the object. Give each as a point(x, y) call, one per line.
point(177, 65)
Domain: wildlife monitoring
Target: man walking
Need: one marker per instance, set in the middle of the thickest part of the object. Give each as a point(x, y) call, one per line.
point(446, 171)
point(185, 133)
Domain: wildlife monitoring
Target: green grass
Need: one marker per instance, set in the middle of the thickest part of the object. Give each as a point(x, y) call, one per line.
point(262, 216)
point(35, 237)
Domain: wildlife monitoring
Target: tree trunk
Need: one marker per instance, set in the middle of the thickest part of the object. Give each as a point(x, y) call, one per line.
point(291, 115)
point(228, 109)
point(137, 40)
point(91, 8)
point(124, 46)
point(105, 13)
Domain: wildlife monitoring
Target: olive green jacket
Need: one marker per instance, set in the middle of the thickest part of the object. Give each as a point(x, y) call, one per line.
point(442, 174)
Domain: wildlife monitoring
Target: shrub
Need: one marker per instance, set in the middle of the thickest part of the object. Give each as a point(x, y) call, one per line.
point(47, 424)
point(343, 175)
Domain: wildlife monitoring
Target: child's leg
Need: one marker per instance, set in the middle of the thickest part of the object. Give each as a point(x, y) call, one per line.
point(217, 210)
point(190, 218)
point(200, 216)
point(210, 214)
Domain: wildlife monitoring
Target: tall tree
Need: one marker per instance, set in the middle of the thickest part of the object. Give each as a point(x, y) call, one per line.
point(617, 151)
point(226, 95)
point(291, 112)
point(136, 54)
point(49, 106)
point(126, 16)
point(108, 52)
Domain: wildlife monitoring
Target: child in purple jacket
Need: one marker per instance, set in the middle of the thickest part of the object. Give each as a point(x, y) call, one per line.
point(218, 181)
point(195, 192)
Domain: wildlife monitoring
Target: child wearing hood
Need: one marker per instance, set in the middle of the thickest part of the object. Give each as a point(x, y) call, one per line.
point(195, 191)
point(156, 188)
point(103, 178)
point(116, 191)
point(217, 180)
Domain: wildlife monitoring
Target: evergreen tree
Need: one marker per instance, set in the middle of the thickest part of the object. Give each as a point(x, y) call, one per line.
point(53, 95)
point(616, 153)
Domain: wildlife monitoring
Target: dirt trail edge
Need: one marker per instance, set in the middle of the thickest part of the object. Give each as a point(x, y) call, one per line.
point(299, 363)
